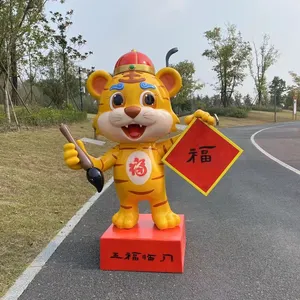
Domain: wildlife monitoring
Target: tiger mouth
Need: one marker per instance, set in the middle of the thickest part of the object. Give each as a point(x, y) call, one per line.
point(134, 131)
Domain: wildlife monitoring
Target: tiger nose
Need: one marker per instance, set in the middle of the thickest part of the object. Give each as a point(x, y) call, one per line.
point(132, 111)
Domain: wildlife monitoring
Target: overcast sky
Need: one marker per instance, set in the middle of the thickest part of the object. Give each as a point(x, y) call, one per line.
point(114, 27)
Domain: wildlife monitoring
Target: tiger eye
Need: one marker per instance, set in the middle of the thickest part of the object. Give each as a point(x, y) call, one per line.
point(118, 100)
point(149, 99)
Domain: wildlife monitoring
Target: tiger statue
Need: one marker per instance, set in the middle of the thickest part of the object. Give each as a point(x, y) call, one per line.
point(135, 111)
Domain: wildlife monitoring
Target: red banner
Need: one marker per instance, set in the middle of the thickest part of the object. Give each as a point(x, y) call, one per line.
point(202, 156)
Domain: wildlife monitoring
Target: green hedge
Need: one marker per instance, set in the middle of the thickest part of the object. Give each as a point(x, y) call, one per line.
point(2, 118)
point(89, 104)
point(266, 108)
point(234, 112)
point(46, 116)
point(292, 108)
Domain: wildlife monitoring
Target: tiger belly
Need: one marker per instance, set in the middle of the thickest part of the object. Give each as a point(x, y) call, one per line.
point(138, 167)
point(139, 173)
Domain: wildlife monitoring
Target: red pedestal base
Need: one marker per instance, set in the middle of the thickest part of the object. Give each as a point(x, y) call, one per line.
point(143, 248)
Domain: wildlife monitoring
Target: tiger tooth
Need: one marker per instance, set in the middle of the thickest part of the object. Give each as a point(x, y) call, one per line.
point(141, 125)
point(126, 126)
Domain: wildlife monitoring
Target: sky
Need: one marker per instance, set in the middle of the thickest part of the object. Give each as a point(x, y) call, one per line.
point(112, 28)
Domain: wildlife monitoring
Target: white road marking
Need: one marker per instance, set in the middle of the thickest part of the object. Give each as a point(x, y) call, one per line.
point(92, 141)
point(283, 164)
point(34, 268)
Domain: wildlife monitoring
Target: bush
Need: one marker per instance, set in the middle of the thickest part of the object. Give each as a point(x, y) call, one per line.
point(49, 116)
point(89, 104)
point(234, 112)
point(266, 108)
point(2, 118)
point(292, 108)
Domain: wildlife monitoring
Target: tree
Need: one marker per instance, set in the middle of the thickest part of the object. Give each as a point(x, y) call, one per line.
point(238, 99)
point(264, 58)
point(25, 15)
point(295, 88)
point(206, 100)
point(229, 54)
point(296, 80)
point(248, 100)
point(35, 49)
point(68, 48)
point(184, 99)
point(276, 89)
point(216, 100)
point(52, 82)
point(17, 18)
point(288, 98)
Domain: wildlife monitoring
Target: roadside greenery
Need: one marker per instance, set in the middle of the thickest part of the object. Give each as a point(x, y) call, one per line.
point(40, 66)
point(46, 116)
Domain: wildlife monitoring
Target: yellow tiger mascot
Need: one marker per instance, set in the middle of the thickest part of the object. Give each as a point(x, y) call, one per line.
point(135, 111)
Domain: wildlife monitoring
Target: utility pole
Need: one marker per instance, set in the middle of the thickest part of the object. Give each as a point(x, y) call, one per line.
point(80, 89)
point(275, 109)
point(170, 52)
point(168, 55)
point(295, 105)
point(65, 71)
point(61, 40)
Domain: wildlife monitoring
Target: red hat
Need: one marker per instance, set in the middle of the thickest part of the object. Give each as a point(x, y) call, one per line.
point(134, 61)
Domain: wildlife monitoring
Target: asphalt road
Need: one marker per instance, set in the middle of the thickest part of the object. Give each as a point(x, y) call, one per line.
point(243, 241)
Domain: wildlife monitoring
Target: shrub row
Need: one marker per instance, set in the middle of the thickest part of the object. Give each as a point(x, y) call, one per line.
point(266, 108)
point(46, 116)
point(234, 112)
point(292, 108)
point(90, 105)
point(51, 116)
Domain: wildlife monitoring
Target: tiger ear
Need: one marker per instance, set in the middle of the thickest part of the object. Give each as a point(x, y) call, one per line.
point(171, 80)
point(96, 83)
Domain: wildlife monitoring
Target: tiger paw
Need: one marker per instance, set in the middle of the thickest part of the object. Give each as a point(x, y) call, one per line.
point(125, 218)
point(166, 220)
point(200, 114)
point(71, 155)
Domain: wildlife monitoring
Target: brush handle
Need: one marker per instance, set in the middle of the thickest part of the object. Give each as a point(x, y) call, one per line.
point(85, 162)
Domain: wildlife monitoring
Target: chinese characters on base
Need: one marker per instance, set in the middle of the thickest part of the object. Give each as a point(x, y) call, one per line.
point(135, 256)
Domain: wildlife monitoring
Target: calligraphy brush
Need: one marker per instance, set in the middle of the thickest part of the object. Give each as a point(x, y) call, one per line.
point(94, 175)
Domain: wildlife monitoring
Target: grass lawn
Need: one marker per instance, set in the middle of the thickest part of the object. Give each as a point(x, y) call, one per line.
point(254, 118)
point(38, 193)
point(257, 118)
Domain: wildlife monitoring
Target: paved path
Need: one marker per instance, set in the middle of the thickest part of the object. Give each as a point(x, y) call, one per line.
point(243, 241)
